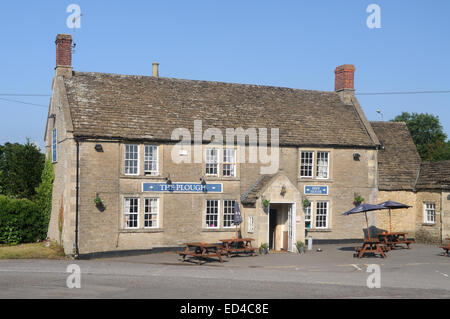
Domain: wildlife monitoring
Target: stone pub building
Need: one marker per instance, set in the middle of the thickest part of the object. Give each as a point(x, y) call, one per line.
point(117, 186)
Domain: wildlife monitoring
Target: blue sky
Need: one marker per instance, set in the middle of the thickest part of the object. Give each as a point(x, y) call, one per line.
point(294, 44)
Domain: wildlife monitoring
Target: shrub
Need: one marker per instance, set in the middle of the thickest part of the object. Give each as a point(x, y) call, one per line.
point(43, 198)
point(21, 221)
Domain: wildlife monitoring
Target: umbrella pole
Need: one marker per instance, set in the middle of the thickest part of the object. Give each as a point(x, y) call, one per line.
point(390, 221)
point(367, 223)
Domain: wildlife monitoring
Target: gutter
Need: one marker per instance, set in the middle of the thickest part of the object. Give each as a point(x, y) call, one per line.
point(77, 190)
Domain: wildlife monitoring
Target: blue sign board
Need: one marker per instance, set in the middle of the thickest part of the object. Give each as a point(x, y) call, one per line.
point(316, 190)
point(182, 188)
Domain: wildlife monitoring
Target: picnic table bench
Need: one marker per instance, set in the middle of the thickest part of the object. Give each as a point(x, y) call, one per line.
point(202, 251)
point(446, 248)
point(394, 239)
point(371, 246)
point(238, 245)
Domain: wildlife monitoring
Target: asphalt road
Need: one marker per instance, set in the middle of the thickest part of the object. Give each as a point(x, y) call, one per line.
point(419, 273)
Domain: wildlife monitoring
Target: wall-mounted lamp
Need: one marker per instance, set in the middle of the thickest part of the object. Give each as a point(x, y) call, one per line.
point(203, 182)
point(356, 156)
point(283, 190)
point(99, 147)
point(169, 181)
point(52, 116)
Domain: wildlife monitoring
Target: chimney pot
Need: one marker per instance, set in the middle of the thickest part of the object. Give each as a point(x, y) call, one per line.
point(156, 70)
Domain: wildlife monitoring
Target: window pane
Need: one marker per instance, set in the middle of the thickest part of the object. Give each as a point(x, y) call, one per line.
point(306, 164)
point(229, 162)
point(228, 213)
point(151, 159)
point(322, 164)
point(54, 146)
point(212, 161)
point(131, 159)
point(131, 212)
point(308, 216)
point(321, 214)
point(151, 213)
point(212, 213)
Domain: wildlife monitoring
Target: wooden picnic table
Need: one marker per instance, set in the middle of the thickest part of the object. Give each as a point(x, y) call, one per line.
point(392, 239)
point(202, 251)
point(372, 246)
point(241, 245)
point(446, 248)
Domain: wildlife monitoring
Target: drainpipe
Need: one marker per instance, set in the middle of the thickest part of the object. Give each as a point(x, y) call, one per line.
point(77, 189)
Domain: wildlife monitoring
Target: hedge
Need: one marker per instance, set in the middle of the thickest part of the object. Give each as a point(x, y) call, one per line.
point(21, 221)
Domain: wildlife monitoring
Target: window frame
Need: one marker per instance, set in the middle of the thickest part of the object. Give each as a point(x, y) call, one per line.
point(328, 165)
point(311, 211)
point(251, 225)
point(232, 163)
point(217, 162)
point(125, 160)
point(125, 213)
point(312, 163)
point(55, 145)
point(232, 225)
point(156, 199)
point(426, 210)
point(146, 160)
point(326, 216)
point(218, 214)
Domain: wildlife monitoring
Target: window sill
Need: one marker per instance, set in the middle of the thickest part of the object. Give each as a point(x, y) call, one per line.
point(159, 177)
point(223, 178)
point(309, 179)
point(140, 230)
point(218, 230)
point(318, 230)
point(428, 224)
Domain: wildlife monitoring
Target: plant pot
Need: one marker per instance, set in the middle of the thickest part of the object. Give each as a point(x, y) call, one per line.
point(301, 250)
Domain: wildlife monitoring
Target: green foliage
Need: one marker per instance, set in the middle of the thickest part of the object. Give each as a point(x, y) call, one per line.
point(306, 202)
point(21, 221)
point(428, 135)
point(43, 198)
point(265, 202)
point(359, 199)
point(20, 169)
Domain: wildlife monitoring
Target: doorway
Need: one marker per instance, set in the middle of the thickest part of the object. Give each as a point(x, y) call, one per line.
point(282, 226)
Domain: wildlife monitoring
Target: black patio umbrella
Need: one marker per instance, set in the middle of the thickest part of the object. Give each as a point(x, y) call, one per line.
point(392, 205)
point(364, 208)
point(237, 217)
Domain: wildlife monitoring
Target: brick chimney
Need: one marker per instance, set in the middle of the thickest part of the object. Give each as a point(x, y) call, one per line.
point(344, 82)
point(63, 55)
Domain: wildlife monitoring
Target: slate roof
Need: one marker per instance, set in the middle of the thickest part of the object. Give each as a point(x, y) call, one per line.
point(253, 193)
point(434, 175)
point(398, 161)
point(142, 107)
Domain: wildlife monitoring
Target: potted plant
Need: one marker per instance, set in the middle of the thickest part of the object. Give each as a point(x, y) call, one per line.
point(306, 202)
point(301, 247)
point(263, 249)
point(358, 200)
point(265, 202)
point(99, 203)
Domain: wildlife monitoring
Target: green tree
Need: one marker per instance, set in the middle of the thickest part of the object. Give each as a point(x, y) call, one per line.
point(43, 198)
point(428, 135)
point(21, 167)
